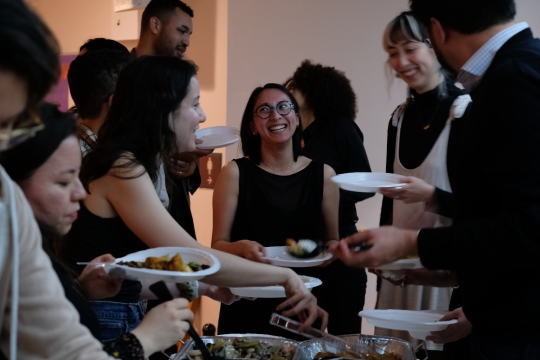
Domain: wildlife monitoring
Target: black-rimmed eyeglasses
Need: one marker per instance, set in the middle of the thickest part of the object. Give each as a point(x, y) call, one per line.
point(283, 108)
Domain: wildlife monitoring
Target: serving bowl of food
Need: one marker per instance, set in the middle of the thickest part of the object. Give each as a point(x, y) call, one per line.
point(319, 349)
point(168, 264)
point(241, 347)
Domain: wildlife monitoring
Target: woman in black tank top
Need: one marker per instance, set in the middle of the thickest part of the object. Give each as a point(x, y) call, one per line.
point(154, 115)
point(268, 196)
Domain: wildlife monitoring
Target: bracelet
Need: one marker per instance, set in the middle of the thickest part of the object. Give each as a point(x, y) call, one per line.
point(188, 290)
point(195, 287)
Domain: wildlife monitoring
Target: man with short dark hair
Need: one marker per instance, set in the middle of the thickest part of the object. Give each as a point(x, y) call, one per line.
point(494, 242)
point(101, 44)
point(165, 29)
point(92, 81)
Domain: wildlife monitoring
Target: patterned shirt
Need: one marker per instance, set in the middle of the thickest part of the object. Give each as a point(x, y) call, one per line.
point(87, 138)
point(471, 73)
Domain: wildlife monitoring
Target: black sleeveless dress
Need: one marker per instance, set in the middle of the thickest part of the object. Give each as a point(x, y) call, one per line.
point(92, 236)
point(272, 208)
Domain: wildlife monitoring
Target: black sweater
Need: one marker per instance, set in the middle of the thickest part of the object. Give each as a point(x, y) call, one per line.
point(416, 143)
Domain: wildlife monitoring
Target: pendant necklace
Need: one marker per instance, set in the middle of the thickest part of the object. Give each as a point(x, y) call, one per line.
point(424, 126)
point(287, 168)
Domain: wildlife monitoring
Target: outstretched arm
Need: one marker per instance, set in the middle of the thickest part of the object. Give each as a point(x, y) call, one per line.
point(136, 202)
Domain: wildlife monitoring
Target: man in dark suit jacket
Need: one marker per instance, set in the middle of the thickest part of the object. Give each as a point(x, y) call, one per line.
point(494, 243)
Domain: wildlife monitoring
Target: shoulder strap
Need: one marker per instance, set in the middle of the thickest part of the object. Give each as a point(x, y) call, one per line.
point(398, 114)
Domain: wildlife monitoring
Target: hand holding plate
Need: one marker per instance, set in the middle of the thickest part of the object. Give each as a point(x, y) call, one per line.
point(389, 244)
point(412, 190)
point(250, 250)
point(453, 332)
point(96, 282)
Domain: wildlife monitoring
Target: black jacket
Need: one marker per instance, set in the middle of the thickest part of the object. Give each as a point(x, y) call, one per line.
point(494, 243)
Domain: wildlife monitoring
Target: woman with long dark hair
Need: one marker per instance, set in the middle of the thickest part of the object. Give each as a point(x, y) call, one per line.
point(46, 168)
point(154, 115)
point(271, 194)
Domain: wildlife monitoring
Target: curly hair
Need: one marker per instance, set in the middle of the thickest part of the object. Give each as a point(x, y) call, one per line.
point(327, 91)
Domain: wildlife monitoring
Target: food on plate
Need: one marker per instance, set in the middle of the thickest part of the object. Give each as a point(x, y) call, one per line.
point(304, 248)
point(348, 355)
point(395, 275)
point(165, 262)
point(244, 348)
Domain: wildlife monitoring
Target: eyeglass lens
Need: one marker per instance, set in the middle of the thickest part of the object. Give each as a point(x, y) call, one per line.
point(282, 107)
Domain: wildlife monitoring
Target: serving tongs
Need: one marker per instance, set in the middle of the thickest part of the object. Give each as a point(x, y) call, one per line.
point(293, 325)
point(162, 292)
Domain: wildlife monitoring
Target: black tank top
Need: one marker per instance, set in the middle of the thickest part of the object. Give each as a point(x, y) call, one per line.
point(270, 209)
point(92, 236)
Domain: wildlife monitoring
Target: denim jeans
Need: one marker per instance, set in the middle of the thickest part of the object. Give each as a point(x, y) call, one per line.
point(117, 318)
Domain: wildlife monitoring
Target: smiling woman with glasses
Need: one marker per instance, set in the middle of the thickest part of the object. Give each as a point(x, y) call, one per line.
point(271, 194)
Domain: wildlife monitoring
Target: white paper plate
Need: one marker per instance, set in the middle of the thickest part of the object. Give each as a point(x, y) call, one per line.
point(151, 276)
point(217, 136)
point(418, 323)
point(368, 182)
point(403, 264)
point(279, 256)
point(271, 291)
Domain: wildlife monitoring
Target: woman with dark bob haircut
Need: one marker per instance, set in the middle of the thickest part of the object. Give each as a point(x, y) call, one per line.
point(328, 109)
point(271, 194)
point(154, 115)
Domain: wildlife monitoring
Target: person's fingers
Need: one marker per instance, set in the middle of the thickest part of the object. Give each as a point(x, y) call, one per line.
point(179, 303)
point(104, 258)
point(312, 317)
point(262, 250)
point(287, 302)
point(324, 319)
point(255, 255)
point(356, 238)
point(441, 337)
point(405, 179)
point(454, 314)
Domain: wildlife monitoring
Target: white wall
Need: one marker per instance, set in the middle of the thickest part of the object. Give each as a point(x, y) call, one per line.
point(268, 39)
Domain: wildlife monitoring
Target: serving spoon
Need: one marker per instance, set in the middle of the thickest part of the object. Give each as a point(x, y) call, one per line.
point(305, 248)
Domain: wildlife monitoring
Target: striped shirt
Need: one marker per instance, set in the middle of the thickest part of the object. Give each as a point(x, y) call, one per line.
point(471, 73)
